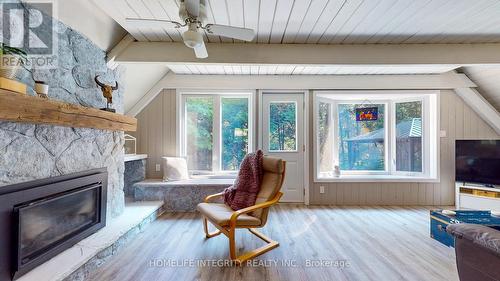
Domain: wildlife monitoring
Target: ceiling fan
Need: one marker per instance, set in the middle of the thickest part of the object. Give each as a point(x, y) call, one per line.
point(193, 15)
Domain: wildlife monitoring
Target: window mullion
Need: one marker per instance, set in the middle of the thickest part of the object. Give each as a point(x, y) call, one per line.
point(425, 137)
point(183, 126)
point(335, 123)
point(217, 149)
point(391, 125)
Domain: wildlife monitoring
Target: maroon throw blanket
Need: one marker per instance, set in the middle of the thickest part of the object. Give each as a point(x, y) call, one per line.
point(243, 192)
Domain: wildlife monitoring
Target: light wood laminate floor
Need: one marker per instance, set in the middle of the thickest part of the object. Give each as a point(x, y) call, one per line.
point(375, 243)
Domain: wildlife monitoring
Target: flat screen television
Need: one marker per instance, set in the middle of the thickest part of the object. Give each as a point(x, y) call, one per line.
point(478, 161)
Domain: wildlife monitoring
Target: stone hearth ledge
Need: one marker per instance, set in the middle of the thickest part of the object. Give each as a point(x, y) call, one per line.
point(181, 195)
point(78, 261)
point(134, 157)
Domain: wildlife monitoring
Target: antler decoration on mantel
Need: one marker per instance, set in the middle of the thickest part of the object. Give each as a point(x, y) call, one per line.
point(107, 92)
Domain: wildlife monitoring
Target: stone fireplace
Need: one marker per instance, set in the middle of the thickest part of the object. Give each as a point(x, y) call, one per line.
point(36, 151)
point(57, 216)
point(51, 196)
point(42, 218)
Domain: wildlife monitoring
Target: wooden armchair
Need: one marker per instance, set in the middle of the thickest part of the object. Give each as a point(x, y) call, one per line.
point(227, 221)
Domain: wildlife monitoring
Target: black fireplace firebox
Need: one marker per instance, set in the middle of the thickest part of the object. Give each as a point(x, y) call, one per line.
point(42, 218)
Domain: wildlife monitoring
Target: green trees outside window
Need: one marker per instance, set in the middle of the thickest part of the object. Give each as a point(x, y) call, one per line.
point(361, 143)
point(216, 132)
point(234, 132)
point(199, 132)
point(409, 136)
point(282, 127)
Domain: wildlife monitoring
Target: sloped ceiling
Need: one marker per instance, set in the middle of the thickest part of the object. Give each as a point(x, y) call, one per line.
point(140, 79)
point(488, 80)
point(299, 21)
point(88, 19)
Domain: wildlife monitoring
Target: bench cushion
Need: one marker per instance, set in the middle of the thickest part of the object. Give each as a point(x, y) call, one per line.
point(221, 213)
point(175, 168)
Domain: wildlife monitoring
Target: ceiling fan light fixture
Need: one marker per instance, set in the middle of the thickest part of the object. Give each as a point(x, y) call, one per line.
point(193, 17)
point(192, 38)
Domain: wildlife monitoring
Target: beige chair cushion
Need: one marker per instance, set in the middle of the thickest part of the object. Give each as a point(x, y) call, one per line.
point(174, 168)
point(274, 169)
point(273, 165)
point(221, 213)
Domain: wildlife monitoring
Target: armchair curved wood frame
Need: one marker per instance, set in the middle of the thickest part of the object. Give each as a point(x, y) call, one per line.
point(230, 230)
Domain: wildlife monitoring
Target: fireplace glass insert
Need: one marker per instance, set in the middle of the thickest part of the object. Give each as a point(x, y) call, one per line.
point(45, 223)
point(42, 218)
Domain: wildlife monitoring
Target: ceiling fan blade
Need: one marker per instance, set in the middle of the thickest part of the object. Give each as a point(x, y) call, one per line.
point(134, 22)
point(193, 7)
point(246, 34)
point(201, 51)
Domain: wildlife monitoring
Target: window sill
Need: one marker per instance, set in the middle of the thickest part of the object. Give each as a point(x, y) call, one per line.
point(214, 176)
point(377, 178)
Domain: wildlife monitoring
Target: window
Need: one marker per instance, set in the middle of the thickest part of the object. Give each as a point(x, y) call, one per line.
point(282, 126)
point(199, 132)
point(361, 144)
point(216, 131)
point(409, 136)
point(234, 132)
point(376, 134)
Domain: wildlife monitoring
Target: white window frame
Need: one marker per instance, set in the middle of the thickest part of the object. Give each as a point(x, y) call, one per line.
point(425, 142)
point(217, 134)
point(430, 134)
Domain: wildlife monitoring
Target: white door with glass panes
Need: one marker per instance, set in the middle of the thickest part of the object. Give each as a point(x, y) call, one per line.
point(282, 136)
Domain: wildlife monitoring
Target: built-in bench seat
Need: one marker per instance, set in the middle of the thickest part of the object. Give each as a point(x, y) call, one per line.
point(181, 195)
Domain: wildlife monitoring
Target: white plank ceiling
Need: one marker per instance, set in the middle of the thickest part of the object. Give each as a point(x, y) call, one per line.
point(330, 21)
point(488, 79)
point(220, 69)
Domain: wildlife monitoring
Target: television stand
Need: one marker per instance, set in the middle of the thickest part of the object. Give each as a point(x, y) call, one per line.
point(476, 197)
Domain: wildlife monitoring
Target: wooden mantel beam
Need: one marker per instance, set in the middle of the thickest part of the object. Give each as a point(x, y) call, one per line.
point(310, 54)
point(28, 109)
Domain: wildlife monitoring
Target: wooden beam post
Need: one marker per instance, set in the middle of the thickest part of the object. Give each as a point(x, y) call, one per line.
point(481, 106)
point(302, 82)
point(120, 47)
point(313, 54)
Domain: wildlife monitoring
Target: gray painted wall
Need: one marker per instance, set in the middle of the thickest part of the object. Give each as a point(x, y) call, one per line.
point(156, 131)
point(156, 137)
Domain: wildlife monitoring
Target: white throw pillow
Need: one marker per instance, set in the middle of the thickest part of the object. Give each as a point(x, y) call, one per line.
point(175, 168)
